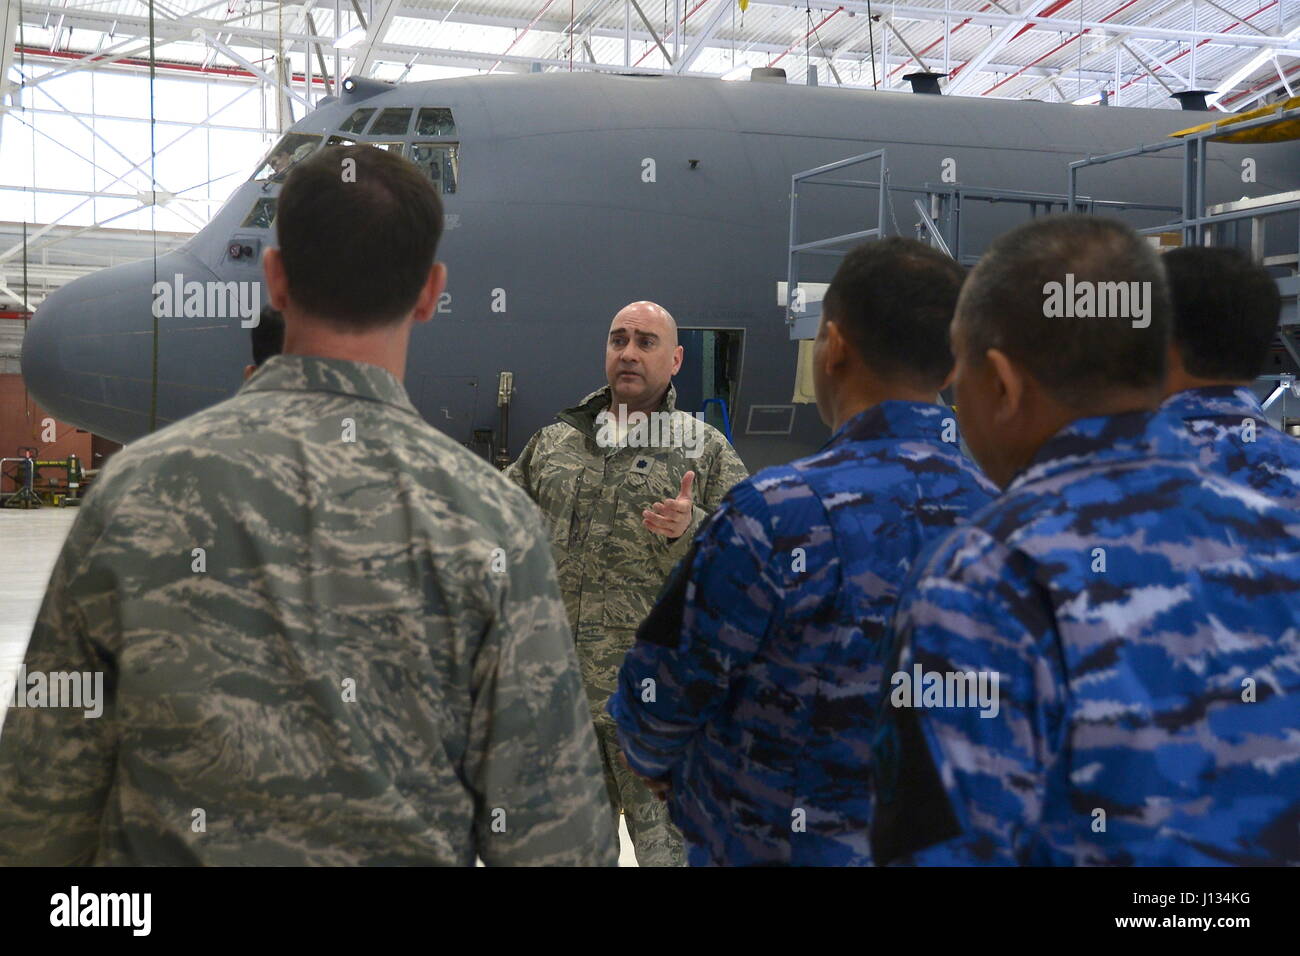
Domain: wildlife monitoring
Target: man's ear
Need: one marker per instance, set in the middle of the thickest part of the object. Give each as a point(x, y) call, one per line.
point(434, 286)
point(835, 351)
point(678, 354)
point(277, 285)
point(1009, 385)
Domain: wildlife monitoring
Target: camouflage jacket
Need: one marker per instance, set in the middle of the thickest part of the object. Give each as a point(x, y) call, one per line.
point(1262, 458)
point(1103, 667)
point(610, 566)
point(765, 652)
point(329, 635)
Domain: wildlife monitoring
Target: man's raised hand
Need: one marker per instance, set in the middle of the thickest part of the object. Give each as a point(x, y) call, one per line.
point(672, 516)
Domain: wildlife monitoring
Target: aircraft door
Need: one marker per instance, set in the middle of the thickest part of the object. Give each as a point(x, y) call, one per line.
point(709, 379)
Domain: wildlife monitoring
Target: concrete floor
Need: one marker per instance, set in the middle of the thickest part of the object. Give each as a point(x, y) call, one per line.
point(29, 545)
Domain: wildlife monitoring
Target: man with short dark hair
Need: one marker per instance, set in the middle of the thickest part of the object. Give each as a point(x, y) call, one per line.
point(267, 338)
point(1226, 312)
point(749, 696)
point(1102, 666)
point(332, 634)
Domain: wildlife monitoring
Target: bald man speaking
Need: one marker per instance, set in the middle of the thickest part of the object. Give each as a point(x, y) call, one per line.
point(624, 480)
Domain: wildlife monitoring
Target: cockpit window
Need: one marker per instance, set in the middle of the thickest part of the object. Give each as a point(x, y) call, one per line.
point(293, 148)
point(435, 121)
point(392, 123)
point(261, 215)
point(357, 121)
point(440, 162)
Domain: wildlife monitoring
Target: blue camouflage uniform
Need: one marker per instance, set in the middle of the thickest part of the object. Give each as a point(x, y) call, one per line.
point(1215, 418)
point(765, 647)
point(1140, 614)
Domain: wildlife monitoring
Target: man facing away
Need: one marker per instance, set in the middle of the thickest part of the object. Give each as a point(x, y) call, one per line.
point(624, 479)
point(328, 633)
point(1103, 667)
point(1226, 312)
point(749, 697)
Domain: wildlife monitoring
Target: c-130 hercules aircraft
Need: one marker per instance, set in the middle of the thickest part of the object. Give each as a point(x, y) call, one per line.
point(568, 196)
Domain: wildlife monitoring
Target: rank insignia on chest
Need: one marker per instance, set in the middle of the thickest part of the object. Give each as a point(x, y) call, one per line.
point(642, 466)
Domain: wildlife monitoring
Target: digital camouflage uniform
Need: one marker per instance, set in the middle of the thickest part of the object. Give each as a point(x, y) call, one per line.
point(371, 665)
point(611, 567)
point(1143, 618)
point(1215, 419)
point(765, 651)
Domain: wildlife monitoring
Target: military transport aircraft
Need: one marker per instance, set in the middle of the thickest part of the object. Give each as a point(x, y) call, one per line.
point(570, 195)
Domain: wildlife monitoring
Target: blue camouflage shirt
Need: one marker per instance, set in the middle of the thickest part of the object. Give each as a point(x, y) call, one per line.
point(1139, 615)
point(753, 683)
point(1258, 455)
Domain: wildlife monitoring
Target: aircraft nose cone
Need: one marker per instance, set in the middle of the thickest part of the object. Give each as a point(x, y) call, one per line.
point(88, 353)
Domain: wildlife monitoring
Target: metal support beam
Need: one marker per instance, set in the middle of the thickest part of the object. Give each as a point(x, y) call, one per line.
point(203, 37)
point(1150, 72)
point(320, 58)
point(1164, 65)
point(658, 42)
point(8, 30)
point(374, 34)
point(701, 40)
point(906, 46)
point(970, 70)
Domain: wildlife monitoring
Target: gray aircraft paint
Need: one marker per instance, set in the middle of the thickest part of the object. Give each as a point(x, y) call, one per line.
point(552, 207)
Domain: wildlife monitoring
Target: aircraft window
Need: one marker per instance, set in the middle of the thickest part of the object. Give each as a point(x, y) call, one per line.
point(435, 122)
point(392, 123)
point(293, 148)
point(357, 121)
point(440, 162)
point(261, 215)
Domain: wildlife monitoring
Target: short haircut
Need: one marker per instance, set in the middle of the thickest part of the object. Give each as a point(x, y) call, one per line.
point(1077, 360)
point(267, 335)
point(1226, 311)
point(357, 241)
point(893, 299)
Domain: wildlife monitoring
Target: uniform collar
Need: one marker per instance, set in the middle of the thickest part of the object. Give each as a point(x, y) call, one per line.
point(311, 373)
point(583, 415)
point(892, 419)
point(1102, 439)
point(1237, 401)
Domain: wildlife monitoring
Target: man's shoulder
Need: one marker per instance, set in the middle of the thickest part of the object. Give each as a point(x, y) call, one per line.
point(1159, 497)
point(247, 438)
point(154, 453)
point(560, 445)
point(779, 496)
point(887, 473)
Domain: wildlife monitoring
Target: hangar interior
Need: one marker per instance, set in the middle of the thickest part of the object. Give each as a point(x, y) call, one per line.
point(127, 125)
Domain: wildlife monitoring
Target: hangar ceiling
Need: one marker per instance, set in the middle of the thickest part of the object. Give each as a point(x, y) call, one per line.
point(280, 59)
